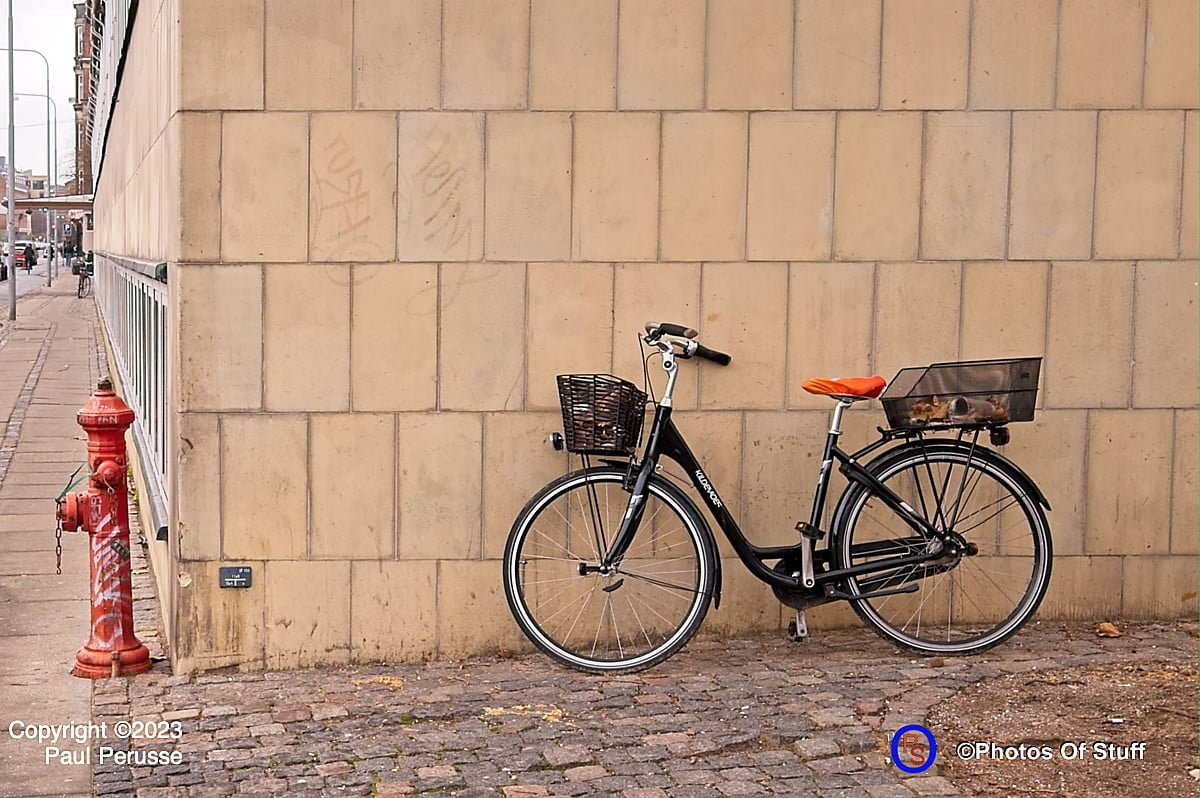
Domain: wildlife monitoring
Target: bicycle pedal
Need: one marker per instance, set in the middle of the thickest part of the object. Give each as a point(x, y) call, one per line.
point(809, 531)
point(837, 594)
point(798, 628)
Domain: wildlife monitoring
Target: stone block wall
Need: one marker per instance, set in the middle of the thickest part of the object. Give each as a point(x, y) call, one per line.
point(398, 221)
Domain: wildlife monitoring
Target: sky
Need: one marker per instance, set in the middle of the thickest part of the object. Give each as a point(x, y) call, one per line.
point(47, 26)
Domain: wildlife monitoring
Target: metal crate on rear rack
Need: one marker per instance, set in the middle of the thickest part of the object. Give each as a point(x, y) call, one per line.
point(974, 392)
point(602, 414)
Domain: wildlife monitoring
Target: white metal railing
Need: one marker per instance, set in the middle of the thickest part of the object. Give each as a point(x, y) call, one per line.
point(133, 306)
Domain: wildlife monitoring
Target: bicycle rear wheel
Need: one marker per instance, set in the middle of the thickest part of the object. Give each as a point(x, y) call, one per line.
point(625, 618)
point(965, 603)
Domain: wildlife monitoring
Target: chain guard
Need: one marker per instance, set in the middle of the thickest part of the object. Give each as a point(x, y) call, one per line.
point(799, 598)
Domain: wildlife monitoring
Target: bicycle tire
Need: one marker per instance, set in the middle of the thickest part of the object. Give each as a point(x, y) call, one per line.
point(84, 288)
point(1011, 532)
point(664, 582)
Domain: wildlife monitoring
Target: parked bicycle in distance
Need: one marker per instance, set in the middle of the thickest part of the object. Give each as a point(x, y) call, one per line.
point(85, 270)
point(939, 543)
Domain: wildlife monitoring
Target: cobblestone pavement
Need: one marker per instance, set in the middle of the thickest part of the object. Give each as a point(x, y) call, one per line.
point(739, 717)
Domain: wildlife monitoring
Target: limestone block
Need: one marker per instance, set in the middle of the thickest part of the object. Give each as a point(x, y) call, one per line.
point(196, 497)
point(747, 605)
point(661, 54)
point(1164, 373)
point(440, 198)
point(615, 216)
point(878, 179)
point(473, 617)
point(837, 53)
point(1013, 47)
point(749, 54)
point(1159, 587)
point(300, 34)
point(829, 325)
point(1185, 537)
point(965, 199)
point(485, 53)
point(1053, 182)
point(1138, 171)
point(1100, 53)
point(197, 216)
point(569, 329)
point(704, 186)
point(781, 457)
point(353, 485)
point(1189, 217)
point(528, 210)
point(306, 338)
point(517, 462)
point(1172, 55)
point(745, 315)
point(440, 484)
point(790, 200)
point(573, 55)
point(716, 441)
point(1129, 482)
point(264, 456)
point(393, 611)
point(481, 353)
point(352, 187)
point(218, 628)
point(904, 338)
point(264, 187)
point(308, 613)
point(393, 337)
point(397, 54)
point(1083, 588)
point(1089, 344)
point(1052, 450)
point(221, 55)
point(1004, 309)
point(220, 336)
point(915, 73)
point(661, 292)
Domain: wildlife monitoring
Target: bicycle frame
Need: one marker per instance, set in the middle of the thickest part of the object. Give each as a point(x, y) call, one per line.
point(665, 440)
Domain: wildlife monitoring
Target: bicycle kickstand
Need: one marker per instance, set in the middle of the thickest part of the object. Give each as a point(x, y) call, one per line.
point(798, 628)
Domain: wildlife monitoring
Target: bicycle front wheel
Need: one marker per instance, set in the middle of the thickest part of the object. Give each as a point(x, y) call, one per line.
point(629, 616)
point(965, 602)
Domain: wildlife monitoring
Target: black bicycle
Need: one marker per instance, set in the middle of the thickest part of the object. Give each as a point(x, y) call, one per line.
point(84, 270)
point(939, 543)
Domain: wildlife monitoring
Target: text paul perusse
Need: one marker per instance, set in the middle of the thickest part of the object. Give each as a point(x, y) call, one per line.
point(61, 735)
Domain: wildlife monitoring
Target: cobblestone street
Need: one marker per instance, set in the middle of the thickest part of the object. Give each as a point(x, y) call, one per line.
point(737, 717)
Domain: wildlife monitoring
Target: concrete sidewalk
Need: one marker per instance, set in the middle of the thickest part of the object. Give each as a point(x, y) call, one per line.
point(50, 359)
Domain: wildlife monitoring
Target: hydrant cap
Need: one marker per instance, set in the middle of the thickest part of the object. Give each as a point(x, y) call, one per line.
point(104, 409)
point(105, 384)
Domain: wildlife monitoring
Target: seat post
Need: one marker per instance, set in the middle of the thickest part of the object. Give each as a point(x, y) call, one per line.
point(836, 427)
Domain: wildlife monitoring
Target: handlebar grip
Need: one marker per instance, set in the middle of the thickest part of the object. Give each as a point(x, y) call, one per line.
point(720, 358)
point(666, 328)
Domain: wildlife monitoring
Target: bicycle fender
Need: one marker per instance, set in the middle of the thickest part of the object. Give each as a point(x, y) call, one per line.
point(670, 487)
point(1024, 479)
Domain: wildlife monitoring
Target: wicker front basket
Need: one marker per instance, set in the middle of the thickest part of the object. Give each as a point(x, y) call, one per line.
point(602, 414)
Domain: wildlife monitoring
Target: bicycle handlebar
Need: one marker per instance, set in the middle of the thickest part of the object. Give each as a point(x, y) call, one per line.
point(655, 330)
point(720, 358)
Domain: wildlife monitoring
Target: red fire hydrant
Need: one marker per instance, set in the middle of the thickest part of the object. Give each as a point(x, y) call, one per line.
point(103, 512)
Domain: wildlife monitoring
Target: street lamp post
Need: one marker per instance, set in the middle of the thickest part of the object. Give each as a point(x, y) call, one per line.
point(12, 286)
point(12, 173)
point(48, 192)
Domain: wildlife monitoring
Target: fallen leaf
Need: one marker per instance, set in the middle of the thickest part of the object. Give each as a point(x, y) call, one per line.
point(394, 682)
point(1106, 629)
